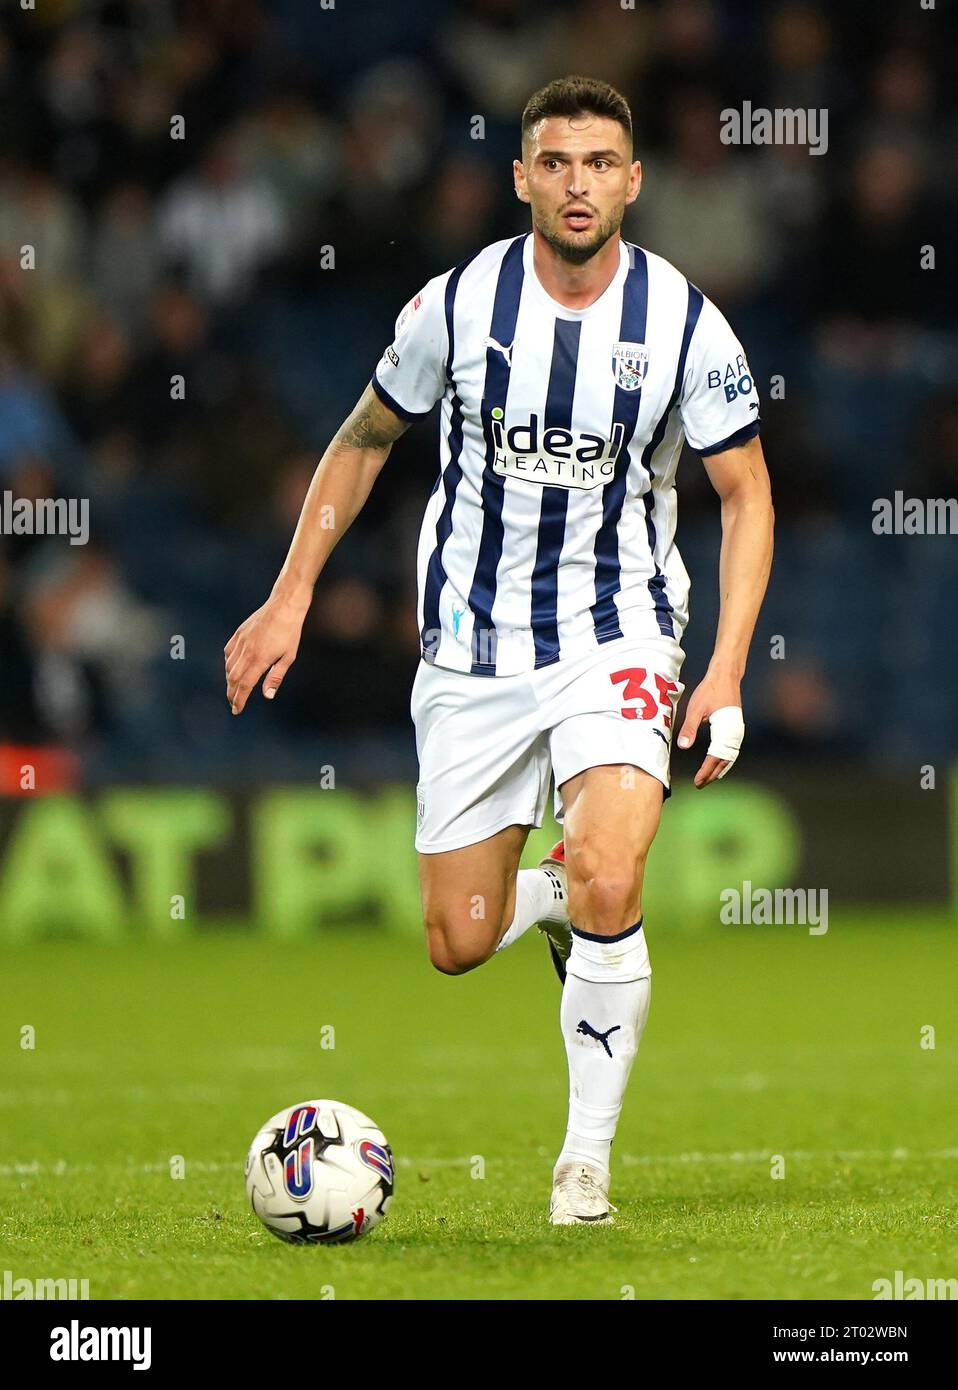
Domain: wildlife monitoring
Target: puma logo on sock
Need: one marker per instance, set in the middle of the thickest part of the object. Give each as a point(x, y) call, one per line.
point(586, 1029)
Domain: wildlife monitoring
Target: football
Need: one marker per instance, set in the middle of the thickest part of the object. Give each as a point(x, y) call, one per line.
point(320, 1173)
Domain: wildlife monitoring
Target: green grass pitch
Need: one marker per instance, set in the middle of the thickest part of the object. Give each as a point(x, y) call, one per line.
point(762, 1041)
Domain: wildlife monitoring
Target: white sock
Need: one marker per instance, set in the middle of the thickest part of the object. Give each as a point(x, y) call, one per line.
point(540, 897)
point(605, 1003)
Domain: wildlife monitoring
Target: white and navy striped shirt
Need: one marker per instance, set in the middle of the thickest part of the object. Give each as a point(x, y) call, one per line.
point(551, 528)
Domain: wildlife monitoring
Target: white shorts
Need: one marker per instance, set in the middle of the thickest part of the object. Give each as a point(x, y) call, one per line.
point(487, 745)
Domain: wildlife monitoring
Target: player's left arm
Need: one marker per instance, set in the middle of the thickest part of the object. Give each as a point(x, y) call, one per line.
point(740, 478)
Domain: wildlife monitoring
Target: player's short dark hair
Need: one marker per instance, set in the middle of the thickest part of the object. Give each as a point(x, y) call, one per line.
point(576, 96)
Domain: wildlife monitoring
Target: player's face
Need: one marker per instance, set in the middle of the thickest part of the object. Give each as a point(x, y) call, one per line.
point(578, 175)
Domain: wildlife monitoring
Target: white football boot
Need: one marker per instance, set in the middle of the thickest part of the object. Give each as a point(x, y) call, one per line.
point(580, 1195)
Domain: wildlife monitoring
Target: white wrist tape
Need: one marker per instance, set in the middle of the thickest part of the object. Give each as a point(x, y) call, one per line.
point(728, 732)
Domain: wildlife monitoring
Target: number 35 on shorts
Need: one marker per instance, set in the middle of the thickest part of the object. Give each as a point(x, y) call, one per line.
point(646, 695)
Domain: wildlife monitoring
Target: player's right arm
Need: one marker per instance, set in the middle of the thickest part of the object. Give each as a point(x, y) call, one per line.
point(268, 641)
point(407, 382)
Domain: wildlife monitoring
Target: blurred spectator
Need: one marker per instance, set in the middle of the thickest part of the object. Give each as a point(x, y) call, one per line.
point(391, 137)
point(800, 713)
point(289, 146)
point(97, 393)
point(177, 376)
point(497, 52)
point(904, 94)
point(686, 54)
point(699, 207)
point(36, 214)
point(93, 640)
point(871, 266)
point(464, 203)
point(30, 419)
point(799, 54)
point(590, 37)
point(351, 675)
point(221, 226)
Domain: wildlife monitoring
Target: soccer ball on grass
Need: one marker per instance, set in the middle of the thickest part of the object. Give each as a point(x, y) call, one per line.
point(320, 1173)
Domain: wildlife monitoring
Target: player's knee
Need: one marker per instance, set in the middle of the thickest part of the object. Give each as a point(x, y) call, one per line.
point(603, 898)
point(451, 951)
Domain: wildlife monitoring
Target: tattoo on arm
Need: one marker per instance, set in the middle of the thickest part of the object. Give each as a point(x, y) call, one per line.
point(371, 425)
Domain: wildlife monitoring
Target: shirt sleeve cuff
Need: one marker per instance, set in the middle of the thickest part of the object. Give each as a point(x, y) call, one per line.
point(733, 441)
point(394, 405)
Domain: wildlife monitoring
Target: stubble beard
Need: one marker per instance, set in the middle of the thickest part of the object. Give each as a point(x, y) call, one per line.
point(573, 248)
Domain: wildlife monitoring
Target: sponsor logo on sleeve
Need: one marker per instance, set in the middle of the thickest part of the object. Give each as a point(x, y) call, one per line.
point(734, 379)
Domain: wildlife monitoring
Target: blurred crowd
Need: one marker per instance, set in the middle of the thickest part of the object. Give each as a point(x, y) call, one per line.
point(228, 202)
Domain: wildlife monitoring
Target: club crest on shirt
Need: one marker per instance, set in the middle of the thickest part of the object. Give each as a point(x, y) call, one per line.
point(630, 362)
